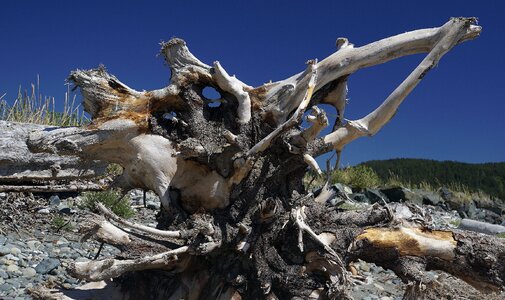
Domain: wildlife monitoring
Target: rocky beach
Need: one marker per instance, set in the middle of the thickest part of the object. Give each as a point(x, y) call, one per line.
point(40, 235)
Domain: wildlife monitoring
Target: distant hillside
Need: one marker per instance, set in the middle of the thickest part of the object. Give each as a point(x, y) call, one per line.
point(488, 177)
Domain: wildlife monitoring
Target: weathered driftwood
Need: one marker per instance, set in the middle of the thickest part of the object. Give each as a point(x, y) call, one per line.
point(52, 188)
point(22, 170)
point(482, 227)
point(238, 221)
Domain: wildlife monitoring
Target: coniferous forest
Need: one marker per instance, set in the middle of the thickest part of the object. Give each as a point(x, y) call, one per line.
point(487, 177)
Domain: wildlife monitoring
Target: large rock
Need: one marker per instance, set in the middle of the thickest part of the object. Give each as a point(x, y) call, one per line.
point(495, 205)
point(375, 195)
point(430, 198)
point(359, 197)
point(342, 188)
point(492, 217)
point(400, 194)
point(459, 202)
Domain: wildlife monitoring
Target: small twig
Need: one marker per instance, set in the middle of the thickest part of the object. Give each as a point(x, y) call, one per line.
point(299, 218)
point(99, 250)
point(145, 203)
point(339, 155)
point(328, 167)
point(63, 226)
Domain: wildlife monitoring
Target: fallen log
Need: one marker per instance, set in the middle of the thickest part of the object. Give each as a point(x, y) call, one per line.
point(482, 227)
point(21, 170)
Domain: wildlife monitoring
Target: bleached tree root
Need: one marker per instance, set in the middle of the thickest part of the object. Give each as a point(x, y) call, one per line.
point(139, 227)
point(92, 290)
point(110, 268)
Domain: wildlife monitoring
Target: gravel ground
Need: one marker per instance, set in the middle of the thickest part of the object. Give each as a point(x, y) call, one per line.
point(36, 249)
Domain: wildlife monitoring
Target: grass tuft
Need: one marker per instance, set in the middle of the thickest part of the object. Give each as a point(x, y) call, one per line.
point(359, 177)
point(34, 108)
point(109, 198)
point(60, 223)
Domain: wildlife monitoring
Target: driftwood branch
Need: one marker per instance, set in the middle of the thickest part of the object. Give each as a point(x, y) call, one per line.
point(110, 268)
point(139, 227)
point(453, 32)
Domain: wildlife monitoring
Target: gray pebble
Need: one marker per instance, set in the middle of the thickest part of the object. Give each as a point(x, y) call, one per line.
point(62, 241)
point(5, 250)
point(11, 257)
point(54, 200)
point(47, 265)
point(71, 280)
point(43, 211)
point(364, 267)
point(29, 272)
point(12, 269)
point(6, 287)
point(34, 245)
point(14, 282)
point(22, 263)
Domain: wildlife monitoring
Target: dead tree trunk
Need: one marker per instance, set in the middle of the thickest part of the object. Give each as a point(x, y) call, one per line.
point(236, 220)
point(24, 171)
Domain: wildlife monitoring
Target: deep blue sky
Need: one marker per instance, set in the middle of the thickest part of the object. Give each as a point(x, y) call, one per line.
point(456, 113)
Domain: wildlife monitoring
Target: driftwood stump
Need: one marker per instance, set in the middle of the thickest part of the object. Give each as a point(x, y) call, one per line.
point(236, 220)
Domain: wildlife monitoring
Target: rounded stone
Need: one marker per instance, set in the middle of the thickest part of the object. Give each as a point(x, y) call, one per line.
point(6, 287)
point(11, 257)
point(15, 251)
point(54, 200)
point(29, 272)
point(34, 245)
point(4, 250)
point(47, 265)
point(12, 268)
point(43, 211)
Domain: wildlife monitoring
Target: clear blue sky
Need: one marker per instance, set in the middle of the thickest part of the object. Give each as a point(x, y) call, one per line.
point(456, 113)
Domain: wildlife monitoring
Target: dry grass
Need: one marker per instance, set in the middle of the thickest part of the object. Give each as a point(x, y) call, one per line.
point(37, 109)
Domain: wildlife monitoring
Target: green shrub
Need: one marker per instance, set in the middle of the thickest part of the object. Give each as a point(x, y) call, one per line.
point(455, 223)
point(358, 177)
point(350, 206)
point(109, 199)
point(114, 169)
point(59, 223)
